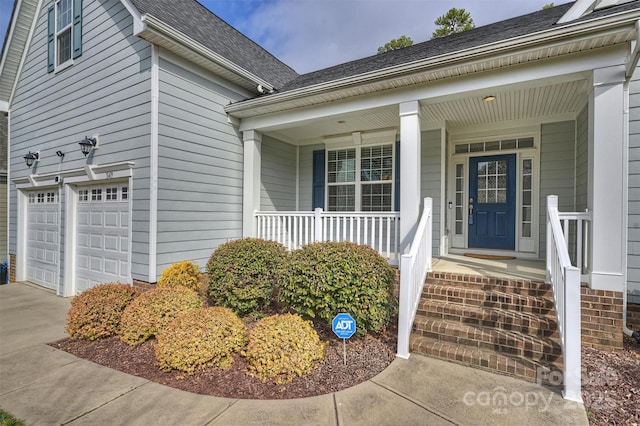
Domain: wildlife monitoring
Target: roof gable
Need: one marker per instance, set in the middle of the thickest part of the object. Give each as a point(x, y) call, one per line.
point(201, 25)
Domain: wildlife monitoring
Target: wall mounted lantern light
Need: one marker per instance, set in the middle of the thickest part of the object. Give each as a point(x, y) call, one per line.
point(31, 158)
point(87, 144)
point(60, 154)
point(489, 98)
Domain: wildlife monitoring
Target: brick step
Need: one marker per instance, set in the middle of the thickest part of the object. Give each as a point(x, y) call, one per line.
point(487, 338)
point(491, 297)
point(485, 359)
point(535, 325)
point(523, 287)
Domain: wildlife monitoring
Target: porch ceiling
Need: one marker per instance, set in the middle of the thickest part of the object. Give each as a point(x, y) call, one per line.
point(466, 110)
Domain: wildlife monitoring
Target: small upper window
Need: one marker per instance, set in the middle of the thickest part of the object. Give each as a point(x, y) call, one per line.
point(64, 12)
point(64, 34)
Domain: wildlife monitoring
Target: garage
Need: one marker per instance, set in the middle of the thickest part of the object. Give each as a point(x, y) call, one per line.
point(43, 238)
point(102, 230)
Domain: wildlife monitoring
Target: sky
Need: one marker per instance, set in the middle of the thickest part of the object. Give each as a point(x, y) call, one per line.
point(313, 34)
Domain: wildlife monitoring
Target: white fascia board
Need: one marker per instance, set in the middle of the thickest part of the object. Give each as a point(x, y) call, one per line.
point(558, 70)
point(118, 170)
point(163, 30)
point(4, 106)
point(138, 24)
point(547, 37)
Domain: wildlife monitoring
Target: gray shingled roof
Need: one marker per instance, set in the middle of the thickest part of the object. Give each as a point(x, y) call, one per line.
point(197, 22)
point(504, 30)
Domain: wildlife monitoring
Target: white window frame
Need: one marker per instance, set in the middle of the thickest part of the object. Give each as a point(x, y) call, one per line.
point(358, 182)
point(60, 32)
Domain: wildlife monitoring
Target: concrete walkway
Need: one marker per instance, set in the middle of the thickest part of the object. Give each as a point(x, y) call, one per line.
point(46, 386)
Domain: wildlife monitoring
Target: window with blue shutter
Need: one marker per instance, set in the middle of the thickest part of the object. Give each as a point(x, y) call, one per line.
point(64, 35)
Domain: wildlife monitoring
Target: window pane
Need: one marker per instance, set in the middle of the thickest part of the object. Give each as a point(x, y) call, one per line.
point(342, 198)
point(341, 166)
point(64, 14)
point(376, 197)
point(64, 46)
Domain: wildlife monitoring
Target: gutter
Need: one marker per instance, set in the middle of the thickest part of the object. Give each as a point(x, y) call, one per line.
point(158, 27)
point(547, 36)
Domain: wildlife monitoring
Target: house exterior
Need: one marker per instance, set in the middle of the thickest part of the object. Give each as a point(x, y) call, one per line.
point(195, 136)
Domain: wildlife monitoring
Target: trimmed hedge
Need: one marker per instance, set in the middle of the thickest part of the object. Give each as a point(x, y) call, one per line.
point(243, 273)
point(97, 312)
point(185, 273)
point(282, 347)
point(328, 278)
point(200, 337)
point(147, 315)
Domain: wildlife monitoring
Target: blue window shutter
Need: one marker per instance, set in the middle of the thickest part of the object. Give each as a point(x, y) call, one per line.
point(396, 181)
point(318, 179)
point(77, 28)
point(51, 40)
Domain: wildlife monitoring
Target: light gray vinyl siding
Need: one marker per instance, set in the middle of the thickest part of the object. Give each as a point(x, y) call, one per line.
point(305, 176)
point(431, 179)
point(582, 159)
point(106, 92)
point(633, 255)
point(278, 191)
point(557, 170)
point(200, 168)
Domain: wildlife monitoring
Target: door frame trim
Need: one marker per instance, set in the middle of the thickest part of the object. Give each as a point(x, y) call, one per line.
point(458, 243)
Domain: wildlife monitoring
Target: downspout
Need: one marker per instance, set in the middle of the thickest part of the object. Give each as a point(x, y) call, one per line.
point(633, 63)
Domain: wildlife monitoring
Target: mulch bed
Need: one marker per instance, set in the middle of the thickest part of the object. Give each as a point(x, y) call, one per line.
point(611, 385)
point(366, 357)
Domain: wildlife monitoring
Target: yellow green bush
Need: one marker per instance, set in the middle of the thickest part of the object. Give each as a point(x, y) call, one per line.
point(148, 314)
point(200, 337)
point(329, 277)
point(97, 312)
point(243, 274)
point(185, 273)
point(282, 347)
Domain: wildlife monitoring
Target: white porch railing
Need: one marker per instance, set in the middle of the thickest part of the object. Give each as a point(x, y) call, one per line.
point(576, 228)
point(565, 280)
point(379, 230)
point(414, 267)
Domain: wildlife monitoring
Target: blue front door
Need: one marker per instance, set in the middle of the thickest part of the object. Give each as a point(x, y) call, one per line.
point(492, 202)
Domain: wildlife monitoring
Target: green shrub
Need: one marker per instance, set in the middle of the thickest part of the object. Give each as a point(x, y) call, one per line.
point(205, 336)
point(97, 312)
point(282, 347)
point(147, 315)
point(242, 274)
point(185, 273)
point(328, 278)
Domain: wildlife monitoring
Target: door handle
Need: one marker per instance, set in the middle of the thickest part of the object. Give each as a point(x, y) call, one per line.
point(470, 211)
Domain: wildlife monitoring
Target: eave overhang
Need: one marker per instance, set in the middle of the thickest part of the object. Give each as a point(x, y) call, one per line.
point(581, 36)
point(157, 32)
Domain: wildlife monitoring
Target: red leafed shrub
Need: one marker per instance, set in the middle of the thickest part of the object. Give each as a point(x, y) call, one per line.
point(97, 312)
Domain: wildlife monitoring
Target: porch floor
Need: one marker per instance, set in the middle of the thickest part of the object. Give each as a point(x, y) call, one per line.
point(533, 269)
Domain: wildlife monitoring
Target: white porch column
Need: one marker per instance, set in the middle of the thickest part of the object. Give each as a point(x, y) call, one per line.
point(251, 181)
point(409, 172)
point(607, 191)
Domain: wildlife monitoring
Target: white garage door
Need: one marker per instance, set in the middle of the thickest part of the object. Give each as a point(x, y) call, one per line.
point(102, 247)
point(43, 237)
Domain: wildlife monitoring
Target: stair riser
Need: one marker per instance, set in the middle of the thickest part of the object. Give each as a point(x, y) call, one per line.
point(538, 329)
point(531, 349)
point(523, 288)
point(527, 370)
point(490, 300)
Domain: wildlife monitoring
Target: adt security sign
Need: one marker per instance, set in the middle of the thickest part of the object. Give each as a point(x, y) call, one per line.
point(343, 325)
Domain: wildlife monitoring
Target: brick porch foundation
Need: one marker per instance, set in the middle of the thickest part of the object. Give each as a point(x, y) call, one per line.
point(633, 316)
point(601, 319)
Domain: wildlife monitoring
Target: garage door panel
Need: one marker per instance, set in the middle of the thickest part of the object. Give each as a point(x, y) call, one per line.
point(102, 236)
point(43, 213)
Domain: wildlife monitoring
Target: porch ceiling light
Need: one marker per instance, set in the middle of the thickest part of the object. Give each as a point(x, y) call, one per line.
point(87, 144)
point(489, 98)
point(31, 158)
